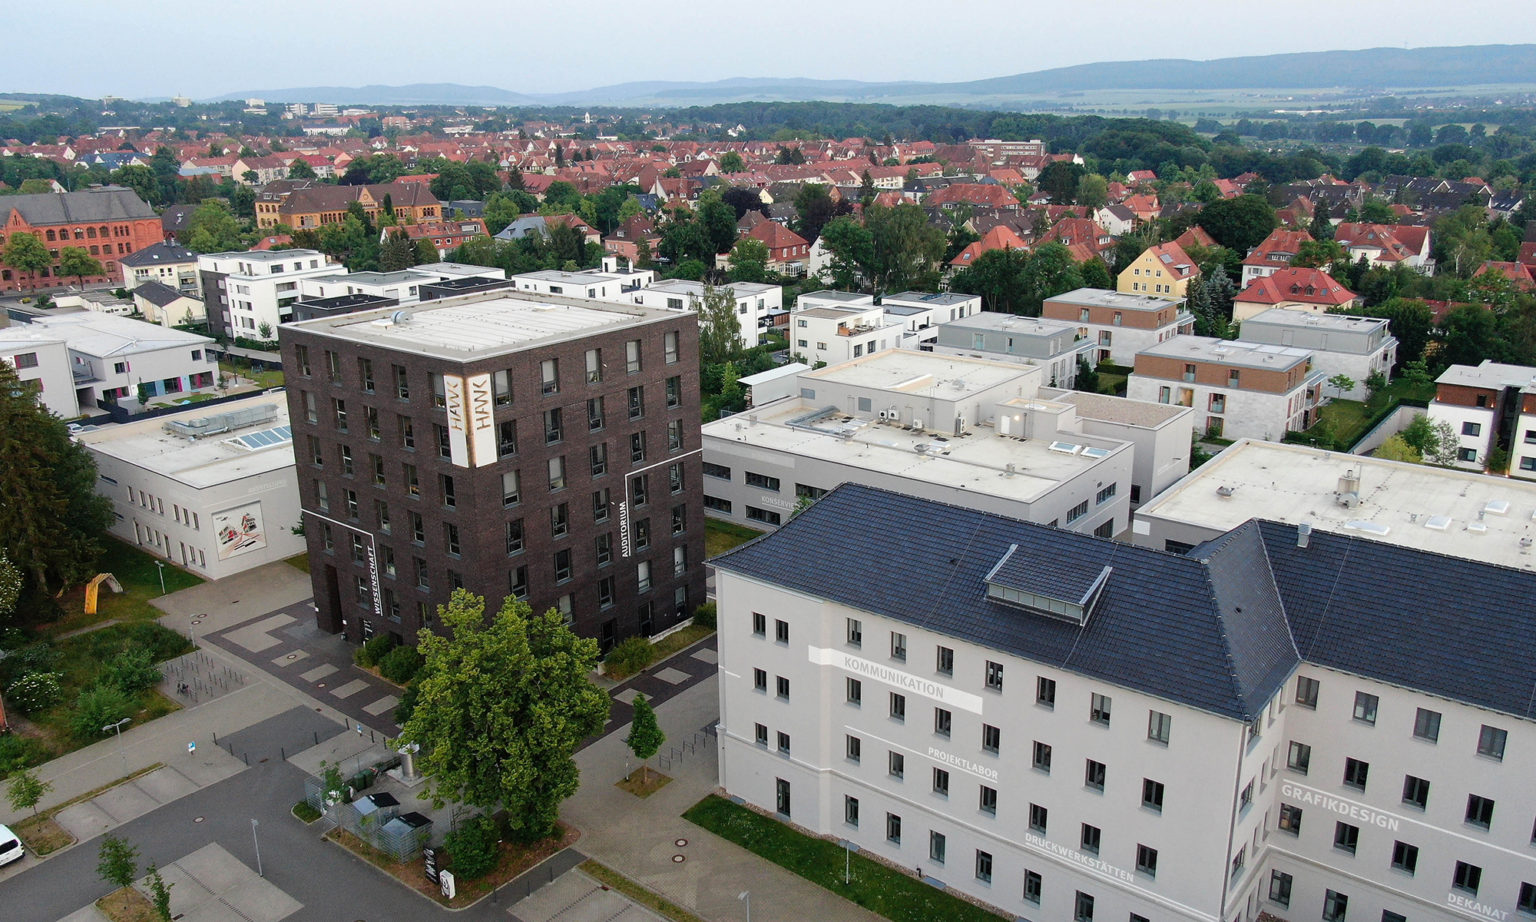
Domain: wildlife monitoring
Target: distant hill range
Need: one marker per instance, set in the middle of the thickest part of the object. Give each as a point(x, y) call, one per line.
point(1378, 69)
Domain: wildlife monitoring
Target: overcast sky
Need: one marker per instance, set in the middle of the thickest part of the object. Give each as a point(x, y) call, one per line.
point(210, 48)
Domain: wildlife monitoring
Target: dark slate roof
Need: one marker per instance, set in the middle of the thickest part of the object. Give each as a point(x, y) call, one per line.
point(1448, 626)
point(109, 203)
point(157, 254)
point(158, 294)
point(1165, 625)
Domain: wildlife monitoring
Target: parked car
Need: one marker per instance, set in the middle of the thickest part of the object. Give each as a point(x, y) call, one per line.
point(11, 848)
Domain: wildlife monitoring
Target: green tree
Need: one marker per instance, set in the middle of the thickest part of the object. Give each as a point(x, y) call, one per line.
point(717, 220)
point(1342, 383)
point(814, 208)
point(51, 519)
point(998, 276)
point(645, 736)
point(397, 252)
point(1318, 254)
point(117, 862)
point(160, 894)
point(1051, 271)
point(1096, 274)
point(212, 228)
point(1093, 191)
point(719, 331)
point(905, 248)
point(78, 261)
point(474, 848)
point(1462, 241)
point(502, 706)
point(299, 169)
point(99, 706)
point(1239, 224)
point(851, 248)
point(1419, 435)
point(141, 179)
point(1443, 450)
point(749, 260)
point(1396, 448)
point(25, 790)
point(25, 253)
point(731, 162)
point(1059, 180)
point(1377, 211)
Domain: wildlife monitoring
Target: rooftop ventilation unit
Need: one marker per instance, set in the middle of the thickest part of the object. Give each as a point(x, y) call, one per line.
point(216, 424)
point(1225, 492)
point(1304, 534)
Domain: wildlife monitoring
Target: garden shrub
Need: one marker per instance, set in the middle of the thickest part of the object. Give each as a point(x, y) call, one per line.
point(400, 664)
point(630, 656)
point(373, 650)
point(97, 707)
point(34, 692)
point(704, 615)
point(473, 848)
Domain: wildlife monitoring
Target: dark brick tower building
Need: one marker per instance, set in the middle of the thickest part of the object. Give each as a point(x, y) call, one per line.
point(506, 442)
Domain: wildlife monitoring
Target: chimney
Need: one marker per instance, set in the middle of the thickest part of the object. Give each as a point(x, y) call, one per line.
point(1303, 534)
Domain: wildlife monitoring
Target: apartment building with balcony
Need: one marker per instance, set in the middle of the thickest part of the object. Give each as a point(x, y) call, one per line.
point(1120, 324)
point(1237, 389)
point(1355, 347)
point(248, 295)
point(1056, 346)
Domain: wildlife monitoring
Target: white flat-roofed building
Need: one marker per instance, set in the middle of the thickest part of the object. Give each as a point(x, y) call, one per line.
point(920, 310)
point(1160, 434)
point(111, 358)
point(614, 285)
point(40, 359)
point(213, 489)
point(1434, 509)
point(829, 298)
point(773, 384)
point(830, 335)
point(756, 303)
point(248, 295)
point(1284, 725)
point(1054, 345)
point(1355, 347)
point(403, 285)
point(1237, 389)
point(1120, 324)
point(1488, 407)
point(958, 430)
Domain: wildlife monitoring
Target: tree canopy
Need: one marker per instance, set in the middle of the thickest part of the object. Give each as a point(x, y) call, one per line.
point(502, 705)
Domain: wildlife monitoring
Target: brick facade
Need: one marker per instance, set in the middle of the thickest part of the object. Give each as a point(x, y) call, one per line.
point(582, 546)
point(107, 240)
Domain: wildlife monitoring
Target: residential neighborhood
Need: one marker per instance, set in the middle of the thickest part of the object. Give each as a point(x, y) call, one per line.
point(530, 508)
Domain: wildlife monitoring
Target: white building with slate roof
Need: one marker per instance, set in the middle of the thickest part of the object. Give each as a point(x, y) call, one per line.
point(1283, 724)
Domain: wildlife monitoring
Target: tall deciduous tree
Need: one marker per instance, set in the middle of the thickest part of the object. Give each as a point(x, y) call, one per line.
point(117, 862)
point(25, 790)
point(24, 252)
point(397, 252)
point(502, 706)
point(51, 519)
point(212, 228)
point(1239, 224)
point(905, 250)
point(719, 331)
point(749, 260)
point(78, 261)
point(645, 736)
point(732, 162)
point(814, 206)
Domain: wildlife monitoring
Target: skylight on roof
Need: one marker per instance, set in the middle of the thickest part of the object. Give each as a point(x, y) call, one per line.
point(1066, 448)
point(266, 438)
point(1497, 507)
point(1438, 522)
point(1054, 592)
point(1095, 452)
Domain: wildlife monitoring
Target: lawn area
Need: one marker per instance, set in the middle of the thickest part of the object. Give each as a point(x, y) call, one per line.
point(1112, 384)
point(679, 640)
point(720, 537)
point(878, 888)
point(298, 561)
point(140, 578)
point(638, 893)
point(271, 377)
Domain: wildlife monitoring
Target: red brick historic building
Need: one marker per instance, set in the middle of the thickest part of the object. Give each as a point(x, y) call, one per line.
point(107, 223)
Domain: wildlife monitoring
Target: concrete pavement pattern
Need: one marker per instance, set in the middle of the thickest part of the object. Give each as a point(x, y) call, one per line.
point(133, 799)
point(575, 897)
point(211, 885)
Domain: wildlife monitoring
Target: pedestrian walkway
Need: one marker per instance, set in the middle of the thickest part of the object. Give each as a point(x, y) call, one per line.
point(211, 885)
point(648, 841)
point(662, 681)
point(575, 897)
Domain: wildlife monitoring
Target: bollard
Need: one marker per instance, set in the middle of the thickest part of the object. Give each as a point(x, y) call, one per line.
point(215, 739)
point(284, 752)
point(317, 737)
point(247, 757)
point(370, 735)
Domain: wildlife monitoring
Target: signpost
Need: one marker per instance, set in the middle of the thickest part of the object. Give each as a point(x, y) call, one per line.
point(429, 855)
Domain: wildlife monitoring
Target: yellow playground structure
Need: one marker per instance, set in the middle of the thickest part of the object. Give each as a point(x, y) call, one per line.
point(94, 587)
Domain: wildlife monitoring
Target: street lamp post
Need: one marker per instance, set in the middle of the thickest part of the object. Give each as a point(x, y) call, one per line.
point(161, 565)
point(119, 728)
point(746, 897)
point(258, 847)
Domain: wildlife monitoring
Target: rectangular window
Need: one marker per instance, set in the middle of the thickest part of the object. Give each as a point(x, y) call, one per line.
point(554, 430)
point(943, 719)
point(893, 828)
point(632, 356)
point(418, 528)
point(1290, 819)
point(444, 442)
point(1146, 860)
point(946, 661)
point(1479, 811)
point(1098, 709)
point(784, 742)
point(670, 347)
point(515, 536)
point(402, 383)
point(1405, 857)
point(559, 520)
point(501, 387)
point(1032, 887)
point(562, 565)
point(1365, 707)
point(1038, 817)
point(782, 687)
point(600, 504)
point(1077, 512)
point(1415, 791)
point(855, 632)
point(762, 481)
point(716, 470)
point(1093, 776)
point(556, 473)
point(896, 764)
point(1355, 773)
point(636, 402)
point(780, 631)
point(506, 439)
point(445, 487)
point(1346, 837)
point(1159, 725)
point(1527, 900)
point(637, 448)
point(851, 748)
point(604, 546)
point(674, 392)
point(994, 676)
point(1306, 692)
point(1045, 692)
point(549, 376)
point(597, 457)
point(941, 782)
point(991, 738)
point(1467, 878)
point(851, 810)
point(594, 365)
point(759, 680)
point(1090, 838)
point(1152, 794)
point(1426, 725)
point(988, 803)
point(898, 706)
point(854, 691)
point(1280, 888)
point(761, 734)
point(451, 538)
point(1299, 757)
point(1490, 742)
point(984, 866)
point(511, 494)
point(759, 624)
point(898, 646)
